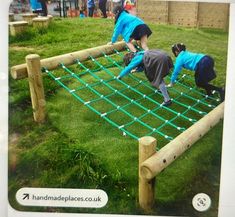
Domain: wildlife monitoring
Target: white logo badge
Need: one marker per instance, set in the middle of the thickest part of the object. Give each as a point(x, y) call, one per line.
point(201, 202)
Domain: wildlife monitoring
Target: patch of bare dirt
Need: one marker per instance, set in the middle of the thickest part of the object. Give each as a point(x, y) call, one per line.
point(18, 48)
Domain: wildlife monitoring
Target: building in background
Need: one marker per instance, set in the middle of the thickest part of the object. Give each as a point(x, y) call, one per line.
point(188, 14)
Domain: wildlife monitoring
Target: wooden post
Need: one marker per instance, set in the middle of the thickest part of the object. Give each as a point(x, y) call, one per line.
point(50, 18)
point(36, 87)
point(17, 27)
point(147, 147)
point(29, 17)
point(41, 22)
point(11, 17)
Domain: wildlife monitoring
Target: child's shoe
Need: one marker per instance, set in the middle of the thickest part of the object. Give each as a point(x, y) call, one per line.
point(168, 103)
point(222, 94)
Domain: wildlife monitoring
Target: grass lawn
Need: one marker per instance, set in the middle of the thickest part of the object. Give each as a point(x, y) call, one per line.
point(77, 149)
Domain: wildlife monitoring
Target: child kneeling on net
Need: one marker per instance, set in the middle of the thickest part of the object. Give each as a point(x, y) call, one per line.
point(202, 64)
point(156, 65)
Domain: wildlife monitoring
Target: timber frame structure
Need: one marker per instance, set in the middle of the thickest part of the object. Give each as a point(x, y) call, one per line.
point(151, 163)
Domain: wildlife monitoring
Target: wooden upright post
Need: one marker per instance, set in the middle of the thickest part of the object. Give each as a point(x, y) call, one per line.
point(147, 147)
point(36, 87)
point(17, 27)
point(29, 17)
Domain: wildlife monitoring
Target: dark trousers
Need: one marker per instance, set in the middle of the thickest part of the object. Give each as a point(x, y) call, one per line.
point(102, 7)
point(44, 7)
point(91, 11)
point(205, 73)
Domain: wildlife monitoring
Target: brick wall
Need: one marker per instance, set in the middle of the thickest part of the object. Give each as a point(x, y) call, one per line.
point(190, 14)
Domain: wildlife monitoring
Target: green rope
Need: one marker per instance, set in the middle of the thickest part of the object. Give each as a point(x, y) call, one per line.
point(175, 90)
point(144, 96)
point(178, 81)
point(132, 101)
point(200, 93)
point(87, 103)
point(115, 105)
point(122, 108)
point(136, 79)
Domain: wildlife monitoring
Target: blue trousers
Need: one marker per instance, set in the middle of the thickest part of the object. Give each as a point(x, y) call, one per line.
point(205, 73)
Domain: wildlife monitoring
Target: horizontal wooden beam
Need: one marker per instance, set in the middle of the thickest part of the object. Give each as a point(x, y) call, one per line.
point(20, 71)
point(170, 152)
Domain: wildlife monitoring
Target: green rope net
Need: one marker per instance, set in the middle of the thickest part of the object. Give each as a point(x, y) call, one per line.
point(132, 105)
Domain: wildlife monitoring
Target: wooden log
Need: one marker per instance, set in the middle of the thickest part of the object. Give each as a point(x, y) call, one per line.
point(36, 87)
point(41, 22)
point(17, 27)
point(20, 71)
point(50, 18)
point(166, 155)
point(29, 17)
point(11, 17)
point(147, 147)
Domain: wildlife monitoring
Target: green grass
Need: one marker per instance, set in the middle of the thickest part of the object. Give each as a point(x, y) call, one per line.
point(77, 149)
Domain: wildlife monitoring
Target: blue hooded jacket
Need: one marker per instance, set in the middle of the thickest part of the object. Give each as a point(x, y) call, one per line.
point(135, 62)
point(125, 26)
point(90, 3)
point(187, 60)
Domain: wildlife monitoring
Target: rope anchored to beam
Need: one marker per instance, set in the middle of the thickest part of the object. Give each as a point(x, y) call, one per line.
point(134, 100)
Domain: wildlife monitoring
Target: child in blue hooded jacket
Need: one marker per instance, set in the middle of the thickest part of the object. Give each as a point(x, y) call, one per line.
point(130, 27)
point(91, 7)
point(202, 64)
